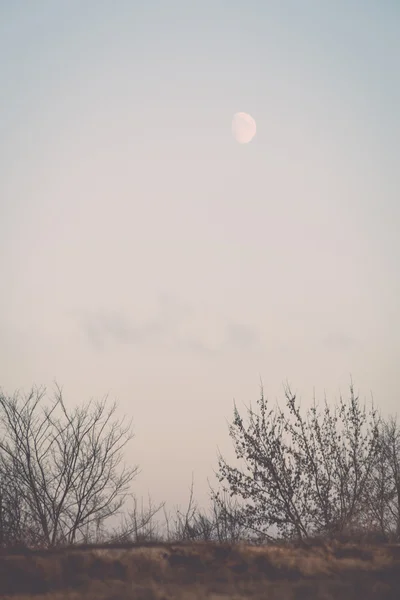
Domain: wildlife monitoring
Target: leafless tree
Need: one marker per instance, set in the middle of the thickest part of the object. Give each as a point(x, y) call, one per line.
point(62, 467)
point(230, 524)
point(189, 525)
point(221, 522)
point(301, 476)
point(139, 524)
point(16, 527)
point(382, 498)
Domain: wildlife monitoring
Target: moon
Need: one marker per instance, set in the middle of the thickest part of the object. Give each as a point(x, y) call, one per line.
point(243, 127)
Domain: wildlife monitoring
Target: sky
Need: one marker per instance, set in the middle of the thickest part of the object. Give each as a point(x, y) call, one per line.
point(147, 255)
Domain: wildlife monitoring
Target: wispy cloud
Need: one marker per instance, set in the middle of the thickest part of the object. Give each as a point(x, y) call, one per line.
point(105, 326)
point(338, 341)
point(173, 324)
point(242, 337)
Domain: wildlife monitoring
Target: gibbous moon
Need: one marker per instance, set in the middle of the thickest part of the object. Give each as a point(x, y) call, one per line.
point(243, 127)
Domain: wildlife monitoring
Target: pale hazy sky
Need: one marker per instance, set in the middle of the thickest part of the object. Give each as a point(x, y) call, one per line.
point(145, 253)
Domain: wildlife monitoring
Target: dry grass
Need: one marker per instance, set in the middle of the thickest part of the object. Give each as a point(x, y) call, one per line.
point(198, 571)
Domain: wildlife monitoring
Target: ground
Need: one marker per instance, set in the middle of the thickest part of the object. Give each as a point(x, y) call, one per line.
point(200, 571)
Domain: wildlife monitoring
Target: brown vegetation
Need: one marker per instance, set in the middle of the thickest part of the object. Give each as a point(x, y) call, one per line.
point(204, 570)
point(307, 511)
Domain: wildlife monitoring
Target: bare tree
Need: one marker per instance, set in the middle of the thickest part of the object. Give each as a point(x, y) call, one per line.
point(382, 498)
point(139, 524)
point(301, 476)
point(230, 524)
point(338, 450)
point(16, 526)
point(391, 450)
point(222, 522)
point(189, 525)
point(63, 466)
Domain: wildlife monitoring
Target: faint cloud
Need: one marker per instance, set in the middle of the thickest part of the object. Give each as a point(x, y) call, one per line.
point(234, 337)
point(104, 326)
point(242, 337)
point(338, 341)
point(195, 346)
point(101, 327)
point(174, 324)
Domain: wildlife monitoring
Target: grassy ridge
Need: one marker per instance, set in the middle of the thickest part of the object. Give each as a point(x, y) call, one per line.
point(197, 571)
